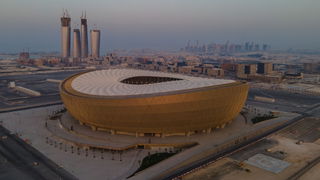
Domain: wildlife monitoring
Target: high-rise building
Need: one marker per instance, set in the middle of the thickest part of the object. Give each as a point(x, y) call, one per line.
point(65, 35)
point(247, 46)
point(84, 37)
point(257, 47)
point(24, 55)
point(95, 43)
point(264, 47)
point(76, 44)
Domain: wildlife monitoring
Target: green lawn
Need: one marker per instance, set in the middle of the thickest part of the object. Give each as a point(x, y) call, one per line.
point(262, 118)
point(152, 160)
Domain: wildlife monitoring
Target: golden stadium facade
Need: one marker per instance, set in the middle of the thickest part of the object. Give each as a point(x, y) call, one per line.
point(141, 103)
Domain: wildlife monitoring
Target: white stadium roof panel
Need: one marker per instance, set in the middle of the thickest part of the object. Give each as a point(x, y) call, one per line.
point(108, 82)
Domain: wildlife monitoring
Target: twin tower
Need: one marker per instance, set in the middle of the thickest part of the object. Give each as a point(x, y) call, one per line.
point(80, 39)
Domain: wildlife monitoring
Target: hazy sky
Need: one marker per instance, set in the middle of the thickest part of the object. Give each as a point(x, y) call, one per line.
point(162, 24)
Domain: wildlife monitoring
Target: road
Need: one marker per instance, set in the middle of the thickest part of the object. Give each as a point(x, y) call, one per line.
point(49, 90)
point(284, 97)
point(214, 157)
point(18, 160)
point(284, 101)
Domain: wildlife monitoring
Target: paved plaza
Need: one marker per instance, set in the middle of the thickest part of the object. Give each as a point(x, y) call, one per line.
point(54, 139)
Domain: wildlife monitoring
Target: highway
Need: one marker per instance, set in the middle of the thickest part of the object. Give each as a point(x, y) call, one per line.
point(226, 152)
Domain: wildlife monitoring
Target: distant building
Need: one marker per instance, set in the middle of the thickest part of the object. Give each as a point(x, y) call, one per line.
point(95, 43)
point(38, 62)
point(257, 47)
point(293, 75)
point(274, 78)
point(265, 47)
point(84, 37)
point(244, 70)
point(65, 35)
point(229, 67)
point(76, 43)
point(227, 48)
point(311, 67)
point(264, 68)
point(215, 72)
point(24, 56)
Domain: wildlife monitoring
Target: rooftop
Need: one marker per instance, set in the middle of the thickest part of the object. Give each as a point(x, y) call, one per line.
point(122, 82)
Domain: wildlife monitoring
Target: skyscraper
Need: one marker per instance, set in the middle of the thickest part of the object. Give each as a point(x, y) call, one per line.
point(65, 35)
point(84, 36)
point(95, 43)
point(76, 44)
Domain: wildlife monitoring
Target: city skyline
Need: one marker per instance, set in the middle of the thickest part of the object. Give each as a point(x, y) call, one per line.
point(165, 25)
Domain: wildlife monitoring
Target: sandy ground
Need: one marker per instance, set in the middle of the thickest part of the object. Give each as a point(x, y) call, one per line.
point(207, 143)
point(297, 155)
point(313, 173)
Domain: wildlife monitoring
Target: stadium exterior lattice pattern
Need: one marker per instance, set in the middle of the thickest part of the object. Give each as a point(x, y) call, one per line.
point(147, 103)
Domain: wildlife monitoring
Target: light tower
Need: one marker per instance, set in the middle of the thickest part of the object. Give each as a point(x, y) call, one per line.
point(65, 35)
point(76, 44)
point(95, 43)
point(84, 36)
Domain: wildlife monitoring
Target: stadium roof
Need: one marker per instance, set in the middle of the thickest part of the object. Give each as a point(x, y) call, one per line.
point(114, 82)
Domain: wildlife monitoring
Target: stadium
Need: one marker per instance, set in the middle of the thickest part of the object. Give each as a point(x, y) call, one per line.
point(149, 103)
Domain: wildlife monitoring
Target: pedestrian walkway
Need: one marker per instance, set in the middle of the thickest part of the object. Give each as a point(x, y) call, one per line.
point(68, 129)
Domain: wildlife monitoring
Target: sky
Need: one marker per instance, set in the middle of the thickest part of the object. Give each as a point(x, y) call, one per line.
point(162, 24)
